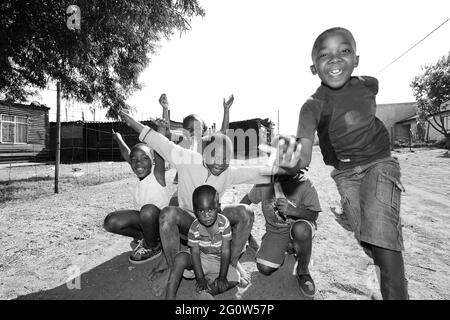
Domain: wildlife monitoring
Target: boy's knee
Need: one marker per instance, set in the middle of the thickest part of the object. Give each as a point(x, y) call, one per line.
point(265, 270)
point(149, 212)
point(182, 259)
point(245, 215)
point(167, 217)
point(110, 224)
point(301, 231)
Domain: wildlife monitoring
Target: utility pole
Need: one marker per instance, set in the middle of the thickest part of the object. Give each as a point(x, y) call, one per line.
point(58, 135)
point(278, 122)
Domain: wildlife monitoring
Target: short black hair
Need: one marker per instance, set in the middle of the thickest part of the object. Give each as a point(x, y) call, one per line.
point(141, 145)
point(327, 32)
point(194, 117)
point(204, 191)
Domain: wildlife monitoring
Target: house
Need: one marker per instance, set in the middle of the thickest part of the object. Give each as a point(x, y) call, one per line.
point(423, 131)
point(392, 113)
point(23, 131)
point(248, 134)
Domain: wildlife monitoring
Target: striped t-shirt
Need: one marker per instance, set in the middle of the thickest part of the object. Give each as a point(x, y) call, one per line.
point(199, 236)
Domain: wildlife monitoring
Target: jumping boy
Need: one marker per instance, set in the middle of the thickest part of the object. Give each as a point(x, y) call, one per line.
point(195, 169)
point(290, 206)
point(150, 196)
point(356, 143)
point(209, 240)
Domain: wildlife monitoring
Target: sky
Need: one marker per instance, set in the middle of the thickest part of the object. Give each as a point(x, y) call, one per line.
point(260, 51)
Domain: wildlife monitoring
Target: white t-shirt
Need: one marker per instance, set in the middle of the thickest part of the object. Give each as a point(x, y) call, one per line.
point(149, 191)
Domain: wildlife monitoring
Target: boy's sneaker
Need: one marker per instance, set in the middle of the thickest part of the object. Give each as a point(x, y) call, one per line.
point(141, 254)
point(134, 243)
point(306, 284)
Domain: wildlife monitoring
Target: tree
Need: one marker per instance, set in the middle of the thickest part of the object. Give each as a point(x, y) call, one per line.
point(99, 63)
point(432, 93)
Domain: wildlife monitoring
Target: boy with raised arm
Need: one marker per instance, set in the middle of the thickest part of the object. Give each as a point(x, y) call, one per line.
point(195, 169)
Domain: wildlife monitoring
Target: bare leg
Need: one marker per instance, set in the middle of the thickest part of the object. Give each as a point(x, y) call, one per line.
point(392, 273)
point(182, 261)
point(124, 222)
point(241, 219)
point(172, 222)
point(149, 223)
point(302, 238)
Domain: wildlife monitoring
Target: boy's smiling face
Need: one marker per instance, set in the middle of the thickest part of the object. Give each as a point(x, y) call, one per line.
point(334, 58)
point(140, 161)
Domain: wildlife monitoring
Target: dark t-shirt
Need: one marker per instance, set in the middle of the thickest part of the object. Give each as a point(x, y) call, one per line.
point(349, 132)
point(301, 192)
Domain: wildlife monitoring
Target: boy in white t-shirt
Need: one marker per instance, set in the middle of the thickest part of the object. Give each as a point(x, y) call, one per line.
point(150, 196)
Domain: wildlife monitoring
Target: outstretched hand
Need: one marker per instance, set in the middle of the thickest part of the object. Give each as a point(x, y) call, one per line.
point(281, 158)
point(228, 103)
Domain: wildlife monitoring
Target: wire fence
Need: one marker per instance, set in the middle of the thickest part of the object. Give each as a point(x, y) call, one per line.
point(89, 156)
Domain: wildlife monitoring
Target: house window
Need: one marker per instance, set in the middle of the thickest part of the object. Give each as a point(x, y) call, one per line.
point(13, 129)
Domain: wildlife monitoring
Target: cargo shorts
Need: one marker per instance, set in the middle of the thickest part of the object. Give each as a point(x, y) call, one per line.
point(370, 198)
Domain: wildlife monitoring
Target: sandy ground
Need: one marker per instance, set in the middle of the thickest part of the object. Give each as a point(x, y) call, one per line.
point(46, 242)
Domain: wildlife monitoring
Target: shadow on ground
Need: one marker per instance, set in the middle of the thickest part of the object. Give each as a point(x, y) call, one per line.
point(117, 279)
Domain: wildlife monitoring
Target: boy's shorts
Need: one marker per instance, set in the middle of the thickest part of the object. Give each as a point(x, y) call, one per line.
point(273, 247)
point(370, 197)
point(211, 269)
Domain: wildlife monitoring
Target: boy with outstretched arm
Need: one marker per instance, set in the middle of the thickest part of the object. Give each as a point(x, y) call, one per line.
point(209, 239)
point(356, 143)
point(212, 167)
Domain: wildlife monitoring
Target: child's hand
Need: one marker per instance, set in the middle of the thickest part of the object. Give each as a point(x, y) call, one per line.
point(116, 135)
point(222, 284)
point(125, 117)
point(282, 205)
point(163, 101)
point(227, 104)
point(201, 285)
point(288, 153)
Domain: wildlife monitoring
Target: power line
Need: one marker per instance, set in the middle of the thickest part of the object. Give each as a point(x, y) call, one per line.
point(387, 66)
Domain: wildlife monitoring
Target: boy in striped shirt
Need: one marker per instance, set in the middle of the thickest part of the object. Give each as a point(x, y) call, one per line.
point(209, 240)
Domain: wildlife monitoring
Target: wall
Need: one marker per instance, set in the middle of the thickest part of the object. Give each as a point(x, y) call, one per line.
point(37, 131)
point(390, 113)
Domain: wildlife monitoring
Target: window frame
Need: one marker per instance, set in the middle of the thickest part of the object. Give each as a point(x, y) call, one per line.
point(15, 123)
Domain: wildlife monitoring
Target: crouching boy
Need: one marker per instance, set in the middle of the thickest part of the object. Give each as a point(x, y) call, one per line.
point(209, 240)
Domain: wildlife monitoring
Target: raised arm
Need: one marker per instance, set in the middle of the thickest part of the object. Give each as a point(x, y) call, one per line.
point(226, 113)
point(165, 106)
point(158, 141)
point(124, 150)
